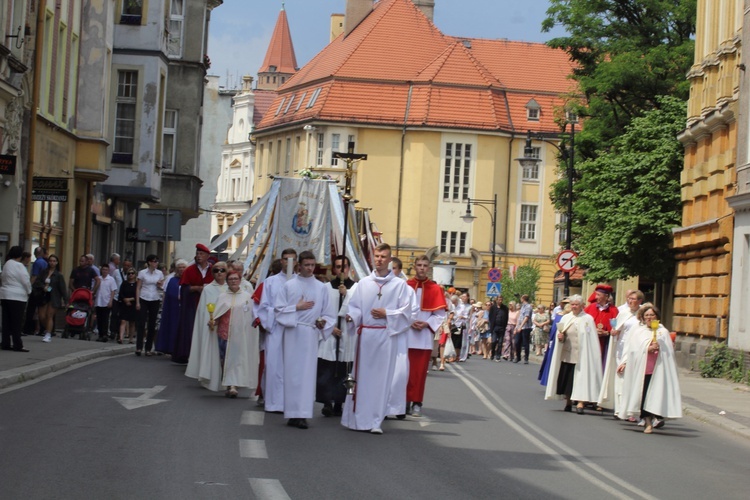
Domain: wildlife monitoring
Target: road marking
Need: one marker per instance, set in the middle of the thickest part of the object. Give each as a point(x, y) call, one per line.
point(268, 489)
point(252, 418)
point(145, 398)
point(531, 431)
point(253, 448)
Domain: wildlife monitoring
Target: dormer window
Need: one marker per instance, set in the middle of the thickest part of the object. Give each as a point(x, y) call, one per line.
point(272, 69)
point(533, 110)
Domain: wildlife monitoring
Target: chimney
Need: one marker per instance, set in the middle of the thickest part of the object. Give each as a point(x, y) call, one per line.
point(427, 7)
point(356, 11)
point(337, 25)
point(247, 83)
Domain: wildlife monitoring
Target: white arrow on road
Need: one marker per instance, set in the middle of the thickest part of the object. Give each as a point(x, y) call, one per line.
point(143, 400)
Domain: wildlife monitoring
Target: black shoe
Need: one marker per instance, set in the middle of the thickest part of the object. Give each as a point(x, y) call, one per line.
point(137, 353)
point(526, 362)
point(21, 350)
point(327, 410)
point(579, 410)
point(516, 360)
point(568, 408)
point(292, 422)
point(302, 423)
point(5, 349)
point(401, 417)
point(337, 410)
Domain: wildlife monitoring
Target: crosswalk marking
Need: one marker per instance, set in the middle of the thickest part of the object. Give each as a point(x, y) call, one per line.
point(268, 489)
point(253, 448)
point(252, 418)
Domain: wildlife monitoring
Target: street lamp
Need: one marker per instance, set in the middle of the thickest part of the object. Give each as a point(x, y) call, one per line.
point(568, 155)
point(468, 217)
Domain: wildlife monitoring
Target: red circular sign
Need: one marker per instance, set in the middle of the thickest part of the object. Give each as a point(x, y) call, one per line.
point(494, 274)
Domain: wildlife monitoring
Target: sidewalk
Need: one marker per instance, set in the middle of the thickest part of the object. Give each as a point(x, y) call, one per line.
point(715, 402)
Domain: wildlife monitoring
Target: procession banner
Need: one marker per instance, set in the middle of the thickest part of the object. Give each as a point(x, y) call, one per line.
point(303, 219)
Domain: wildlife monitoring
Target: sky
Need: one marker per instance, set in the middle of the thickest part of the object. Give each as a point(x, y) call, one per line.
point(240, 30)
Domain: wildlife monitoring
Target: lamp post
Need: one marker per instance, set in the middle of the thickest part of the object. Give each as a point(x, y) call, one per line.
point(568, 156)
point(468, 217)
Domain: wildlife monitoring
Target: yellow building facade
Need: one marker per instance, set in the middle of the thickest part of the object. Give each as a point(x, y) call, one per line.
point(703, 245)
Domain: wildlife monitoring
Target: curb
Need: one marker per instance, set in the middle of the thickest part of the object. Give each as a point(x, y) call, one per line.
point(30, 372)
point(715, 420)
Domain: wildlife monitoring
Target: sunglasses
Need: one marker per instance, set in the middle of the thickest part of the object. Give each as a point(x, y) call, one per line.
point(219, 270)
point(131, 274)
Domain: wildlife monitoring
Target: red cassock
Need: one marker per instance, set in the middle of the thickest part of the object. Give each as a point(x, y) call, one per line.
point(602, 317)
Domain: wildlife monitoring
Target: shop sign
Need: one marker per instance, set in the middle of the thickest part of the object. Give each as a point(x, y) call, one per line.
point(49, 189)
point(7, 165)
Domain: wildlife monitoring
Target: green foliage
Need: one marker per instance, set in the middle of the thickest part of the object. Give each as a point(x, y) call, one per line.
point(628, 199)
point(526, 282)
point(723, 362)
point(627, 53)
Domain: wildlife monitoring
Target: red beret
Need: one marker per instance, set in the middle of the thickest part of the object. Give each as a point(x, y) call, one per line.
point(213, 260)
point(202, 248)
point(604, 288)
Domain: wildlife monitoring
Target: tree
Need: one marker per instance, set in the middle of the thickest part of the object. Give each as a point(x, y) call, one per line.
point(525, 281)
point(627, 53)
point(629, 197)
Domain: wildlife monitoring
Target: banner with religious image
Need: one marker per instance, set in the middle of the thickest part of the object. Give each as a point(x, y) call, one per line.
point(303, 219)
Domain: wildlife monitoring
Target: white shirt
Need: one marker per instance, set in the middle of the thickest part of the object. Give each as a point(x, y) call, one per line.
point(148, 281)
point(16, 282)
point(107, 288)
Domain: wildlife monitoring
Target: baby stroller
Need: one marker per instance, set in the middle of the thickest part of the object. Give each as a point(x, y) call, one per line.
point(79, 313)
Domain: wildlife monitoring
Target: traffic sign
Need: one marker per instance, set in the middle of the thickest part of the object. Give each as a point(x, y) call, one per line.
point(494, 274)
point(494, 289)
point(567, 261)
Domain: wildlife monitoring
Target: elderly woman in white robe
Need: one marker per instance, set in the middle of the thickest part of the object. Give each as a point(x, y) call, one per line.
point(205, 362)
point(238, 340)
point(651, 388)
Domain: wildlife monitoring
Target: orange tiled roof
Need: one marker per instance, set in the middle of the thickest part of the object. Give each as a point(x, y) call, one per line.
point(481, 84)
point(281, 50)
point(263, 101)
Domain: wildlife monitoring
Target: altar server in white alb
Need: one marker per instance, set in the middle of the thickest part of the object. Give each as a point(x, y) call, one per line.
point(302, 311)
point(273, 377)
point(380, 310)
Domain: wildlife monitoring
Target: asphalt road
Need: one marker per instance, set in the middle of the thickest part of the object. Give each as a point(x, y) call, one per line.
point(129, 427)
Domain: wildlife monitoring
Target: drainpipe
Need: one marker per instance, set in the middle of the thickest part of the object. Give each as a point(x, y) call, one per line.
point(401, 170)
point(38, 42)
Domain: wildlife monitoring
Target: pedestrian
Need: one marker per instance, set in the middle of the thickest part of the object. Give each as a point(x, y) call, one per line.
point(651, 388)
point(485, 334)
point(540, 332)
point(430, 314)
point(170, 310)
point(238, 340)
point(460, 320)
point(83, 276)
point(303, 314)
point(381, 308)
point(51, 283)
point(195, 277)
point(523, 330)
point(604, 313)
point(147, 303)
point(105, 297)
point(274, 269)
point(273, 388)
point(14, 294)
point(204, 363)
point(32, 305)
point(564, 308)
point(117, 273)
point(128, 314)
point(333, 355)
point(575, 369)
point(509, 351)
point(499, 319)
point(397, 268)
point(611, 395)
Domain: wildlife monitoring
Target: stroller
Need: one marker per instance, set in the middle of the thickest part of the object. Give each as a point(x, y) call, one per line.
point(79, 314)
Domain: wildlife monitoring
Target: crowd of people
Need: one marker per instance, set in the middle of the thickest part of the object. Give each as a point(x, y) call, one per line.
point(362, 349)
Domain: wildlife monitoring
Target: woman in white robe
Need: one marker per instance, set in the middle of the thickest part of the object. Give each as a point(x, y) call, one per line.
point(651, 388)
point(238, 340)
point(205, 363)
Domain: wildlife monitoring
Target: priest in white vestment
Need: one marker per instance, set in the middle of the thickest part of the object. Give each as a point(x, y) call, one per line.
point(204, 363)
point(380, 311)
point(238, 339)
point(576, 367)
point(303, 313)
point(611, 396)
point(651, 365)
point(273, 377)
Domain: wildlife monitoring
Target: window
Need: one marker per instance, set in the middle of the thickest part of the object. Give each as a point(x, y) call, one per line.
point(281, 105)
point(531, 173)
point(533, 109)
point(176, 22)
point(299, 103)
point(452, 241)
point(313, 97)
point(528, 222)
point(288, 105)
point(125, 103)
point(261, 160)
point(278, 156)
point(456, 173)
point(320, 150)
point(335, 143)
point(288, 159)
point(169, 135)
point(132, 10)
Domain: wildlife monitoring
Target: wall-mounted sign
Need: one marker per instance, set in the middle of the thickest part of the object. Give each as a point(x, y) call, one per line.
point(49, 189)
point(7, 165)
